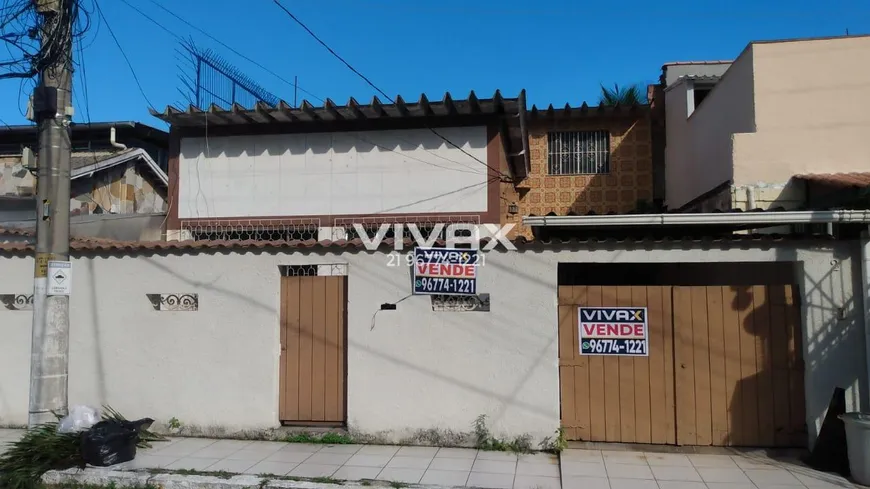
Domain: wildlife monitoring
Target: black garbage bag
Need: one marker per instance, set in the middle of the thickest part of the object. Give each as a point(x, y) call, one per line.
point(112, 441)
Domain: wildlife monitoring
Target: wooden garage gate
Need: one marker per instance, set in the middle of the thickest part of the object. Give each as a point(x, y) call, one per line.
point(724, 368)
point(313, 353)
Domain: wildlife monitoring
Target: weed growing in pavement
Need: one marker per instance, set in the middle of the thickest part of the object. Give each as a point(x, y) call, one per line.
point(325, 439)
point(398, 485)
point(486, 441)
point(555, 445)
point(174, 423)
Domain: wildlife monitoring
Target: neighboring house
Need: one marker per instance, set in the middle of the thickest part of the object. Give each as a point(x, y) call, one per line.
point(117, 169)
point(753, 133)
point(313, 172)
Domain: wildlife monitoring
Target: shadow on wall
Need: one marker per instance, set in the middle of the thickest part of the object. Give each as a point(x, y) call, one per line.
point(341, 143)
point(797, 370)
point(834, 353)
point(768, 406)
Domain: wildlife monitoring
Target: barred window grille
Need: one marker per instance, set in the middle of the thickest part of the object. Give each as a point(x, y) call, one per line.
point(318, 270)
point(578, 153)
point(253, 232)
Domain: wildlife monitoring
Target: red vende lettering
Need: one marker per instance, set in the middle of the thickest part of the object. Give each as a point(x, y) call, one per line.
point(469, 271)
point(421, 268)
point(588, 329)
point(612, 330)
point(638, 330)
point(625, 330)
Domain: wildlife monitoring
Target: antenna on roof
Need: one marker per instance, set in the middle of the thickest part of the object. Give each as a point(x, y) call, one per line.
point(209, 79)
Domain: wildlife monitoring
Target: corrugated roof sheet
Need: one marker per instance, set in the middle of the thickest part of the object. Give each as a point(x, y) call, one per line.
point(81, 159)
point(856, 179)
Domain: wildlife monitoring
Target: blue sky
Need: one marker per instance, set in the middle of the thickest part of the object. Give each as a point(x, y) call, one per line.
point(558, 50)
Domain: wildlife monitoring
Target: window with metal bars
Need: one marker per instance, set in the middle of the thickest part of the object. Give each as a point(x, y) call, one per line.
point(578, 153)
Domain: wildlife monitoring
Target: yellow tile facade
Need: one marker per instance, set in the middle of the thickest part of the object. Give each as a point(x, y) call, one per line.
point(628, 185)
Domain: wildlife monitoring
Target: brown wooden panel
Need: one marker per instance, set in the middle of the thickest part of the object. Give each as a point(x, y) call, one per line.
point(318, 348)
point(612, 419)
point(779, 344)
point(581, 368)
point(684, 365)
point(627, 386)
point(732, 326)
point(718, 393)
point(657, 319)
point(306, 347)
point(341, 305)
point(333, 398)
point(566, 368)
point(597, 380)
point(744, 302)
point(282, 357)
point(701, 364)
point(313, 350)
point(797, 406)
point(290, 354)
point(669, 355)
point(643, 421)
point(617, 399)
point(764, 364)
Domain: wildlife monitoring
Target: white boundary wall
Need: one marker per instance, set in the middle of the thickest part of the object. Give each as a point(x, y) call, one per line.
point(411, 369)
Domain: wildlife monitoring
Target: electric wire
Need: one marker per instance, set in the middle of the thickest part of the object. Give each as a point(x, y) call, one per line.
point(371, 84)
point(124, 54)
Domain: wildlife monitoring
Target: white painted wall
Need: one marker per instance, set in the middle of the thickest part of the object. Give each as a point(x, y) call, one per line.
point(392, 172)
point(699, 140)
point(408, 370)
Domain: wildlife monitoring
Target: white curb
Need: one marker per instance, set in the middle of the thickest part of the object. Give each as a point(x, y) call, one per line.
point(134, 479)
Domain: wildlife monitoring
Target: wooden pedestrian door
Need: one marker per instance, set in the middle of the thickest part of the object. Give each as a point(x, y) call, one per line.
point(724, 368)
point(313, 350)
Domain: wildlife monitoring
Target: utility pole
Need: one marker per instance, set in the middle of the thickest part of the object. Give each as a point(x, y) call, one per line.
point(52, 109)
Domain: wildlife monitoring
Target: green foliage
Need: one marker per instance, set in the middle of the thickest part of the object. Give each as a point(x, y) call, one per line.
point(557, 444)
point(398, 485)
point(486, 441)
point(630, 95)
point(174, 423)
point(325, 439)
point(42, 449)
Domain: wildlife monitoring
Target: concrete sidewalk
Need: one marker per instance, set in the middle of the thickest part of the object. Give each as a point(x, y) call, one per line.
point(457, 467)
point(412, 465)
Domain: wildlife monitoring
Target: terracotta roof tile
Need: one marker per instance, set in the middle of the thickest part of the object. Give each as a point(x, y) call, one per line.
point(17, 232)
point(856, 179)
point(130, 247)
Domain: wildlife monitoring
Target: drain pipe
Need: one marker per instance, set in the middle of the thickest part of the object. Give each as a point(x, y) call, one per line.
point(113, 141)
point(865, 289)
